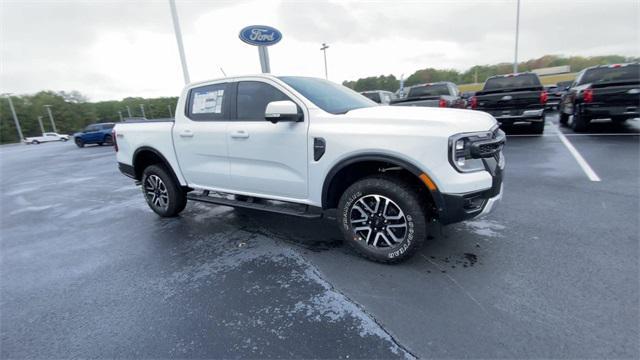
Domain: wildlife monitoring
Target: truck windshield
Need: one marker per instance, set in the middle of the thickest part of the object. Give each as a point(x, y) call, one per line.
point(624, 73)
point(518, 81)
point(429, 90)
point(330, 97)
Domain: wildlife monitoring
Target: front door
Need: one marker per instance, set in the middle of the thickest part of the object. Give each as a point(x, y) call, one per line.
point(265, 158)
point(200, 137)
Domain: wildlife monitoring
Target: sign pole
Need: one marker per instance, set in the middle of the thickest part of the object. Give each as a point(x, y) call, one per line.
point(264, 59)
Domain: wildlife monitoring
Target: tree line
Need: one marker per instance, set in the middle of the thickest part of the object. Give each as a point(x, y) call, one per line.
point(72, 112)
point(480, 73)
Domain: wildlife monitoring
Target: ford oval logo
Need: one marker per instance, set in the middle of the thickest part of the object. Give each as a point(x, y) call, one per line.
point(260, 35)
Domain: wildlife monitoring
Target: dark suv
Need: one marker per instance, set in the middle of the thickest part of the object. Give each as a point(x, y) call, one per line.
point(95, 134)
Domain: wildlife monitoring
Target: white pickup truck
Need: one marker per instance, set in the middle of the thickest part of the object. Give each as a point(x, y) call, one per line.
point(305, 146)
point(46, 137)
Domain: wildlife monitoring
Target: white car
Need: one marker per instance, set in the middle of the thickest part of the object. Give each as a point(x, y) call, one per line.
point(46, 137)
point(314, 146)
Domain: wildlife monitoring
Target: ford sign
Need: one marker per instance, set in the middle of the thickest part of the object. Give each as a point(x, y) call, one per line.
point(260, 35)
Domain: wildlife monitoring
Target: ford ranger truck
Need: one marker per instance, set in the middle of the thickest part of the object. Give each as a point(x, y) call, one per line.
point(440, 94)
point(605, 91)
point(307, 147)
point(513, 99)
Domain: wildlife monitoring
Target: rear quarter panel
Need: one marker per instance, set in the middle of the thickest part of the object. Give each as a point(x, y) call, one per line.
point(154, 135)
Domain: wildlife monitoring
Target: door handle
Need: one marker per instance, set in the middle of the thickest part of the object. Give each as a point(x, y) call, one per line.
point(240, 134)
point(186, 133)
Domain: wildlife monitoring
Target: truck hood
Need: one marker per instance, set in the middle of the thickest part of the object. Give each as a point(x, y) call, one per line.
point(458, 120)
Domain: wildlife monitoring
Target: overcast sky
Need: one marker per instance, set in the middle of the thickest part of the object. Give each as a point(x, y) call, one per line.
point(113, 49)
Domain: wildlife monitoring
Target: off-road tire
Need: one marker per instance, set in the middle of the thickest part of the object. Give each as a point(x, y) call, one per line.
point(173, 197)
point(402, 195)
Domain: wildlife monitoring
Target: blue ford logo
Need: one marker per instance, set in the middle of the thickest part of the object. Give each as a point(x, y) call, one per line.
point(260, 35)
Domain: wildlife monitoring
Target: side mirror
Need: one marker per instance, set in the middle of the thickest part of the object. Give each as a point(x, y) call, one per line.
point(285, 110)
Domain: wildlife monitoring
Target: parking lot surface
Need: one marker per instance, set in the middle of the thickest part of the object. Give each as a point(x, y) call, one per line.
point(87, 270)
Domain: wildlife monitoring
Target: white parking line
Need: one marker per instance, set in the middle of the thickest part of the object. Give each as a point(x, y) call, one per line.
point(576, 155)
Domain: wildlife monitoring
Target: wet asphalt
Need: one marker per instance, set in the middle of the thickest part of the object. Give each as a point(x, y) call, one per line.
point(87, 270)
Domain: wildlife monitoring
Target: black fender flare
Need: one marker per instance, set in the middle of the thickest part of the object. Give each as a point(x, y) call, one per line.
point(165, 162)
point(435, 194)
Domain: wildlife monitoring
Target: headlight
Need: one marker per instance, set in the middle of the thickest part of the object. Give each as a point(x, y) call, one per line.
point(460, 151)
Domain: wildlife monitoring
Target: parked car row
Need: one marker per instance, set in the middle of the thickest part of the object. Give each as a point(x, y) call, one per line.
point(605, 91)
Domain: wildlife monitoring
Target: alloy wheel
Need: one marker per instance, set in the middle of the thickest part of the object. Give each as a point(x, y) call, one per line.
point(378, 221)
point(156, 192)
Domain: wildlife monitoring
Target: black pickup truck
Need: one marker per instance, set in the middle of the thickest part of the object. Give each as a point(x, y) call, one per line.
point(605, 91)
point(438, 94)
point(513, 98)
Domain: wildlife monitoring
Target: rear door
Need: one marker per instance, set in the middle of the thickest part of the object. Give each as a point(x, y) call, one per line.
point(266, 158)
point(200, 137)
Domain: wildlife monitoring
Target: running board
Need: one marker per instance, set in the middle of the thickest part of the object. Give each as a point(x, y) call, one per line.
point(307, 213)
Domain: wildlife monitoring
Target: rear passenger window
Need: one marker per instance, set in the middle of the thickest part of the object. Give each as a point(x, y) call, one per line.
point(206, 102)
point(107, 126)
point(253, 97)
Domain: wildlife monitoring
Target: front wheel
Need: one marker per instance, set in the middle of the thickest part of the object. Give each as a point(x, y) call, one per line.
point(384, 219)
point(163, 194)
point(35, 142)
point(79, 143)
point(64, 139)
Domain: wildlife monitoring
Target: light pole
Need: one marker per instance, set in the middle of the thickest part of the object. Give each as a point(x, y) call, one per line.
point(176, 28)
point(142, 109)
point(120, 115)
point(170, 114)
point(15, 117)
point(40, 122)
point(515, 59)
point(129, 111)
point(53, 124)
point(324, 50)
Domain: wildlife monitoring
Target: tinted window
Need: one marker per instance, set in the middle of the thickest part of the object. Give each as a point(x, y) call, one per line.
point(206, 102)
point(611, 74)
point(512, 82)
point(373, 96)
point(429, 90)
point(91, 128)
point(253, 97)
point(328, 96)
point(107, 126)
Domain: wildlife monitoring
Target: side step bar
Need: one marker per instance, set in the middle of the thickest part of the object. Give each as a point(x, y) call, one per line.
point(307, 213)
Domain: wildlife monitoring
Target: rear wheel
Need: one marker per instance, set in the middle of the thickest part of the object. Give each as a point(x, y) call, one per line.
point(163, 194)
point(578, 122)
point(563, 118)
point(79, 143)
point(63, 139)
point(383, 219)
point(35, 142)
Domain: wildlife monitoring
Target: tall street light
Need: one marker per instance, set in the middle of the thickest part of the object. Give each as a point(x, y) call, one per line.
point(40, 122)
point(120, 115)
point(129, 111)
point(515, 59)
point(176, 28)
point(142, 109)
point(15, 117)
point(324, 50)
point(53, 124)
point(170, 113)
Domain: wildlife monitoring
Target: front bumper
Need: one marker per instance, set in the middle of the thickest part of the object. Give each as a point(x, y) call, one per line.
point(461, 207)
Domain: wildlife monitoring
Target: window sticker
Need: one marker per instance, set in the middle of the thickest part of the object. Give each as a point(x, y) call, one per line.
point(207, 102)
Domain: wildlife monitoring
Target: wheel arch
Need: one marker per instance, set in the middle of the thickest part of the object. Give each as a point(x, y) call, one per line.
point(146, 156)
point(338, 178)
